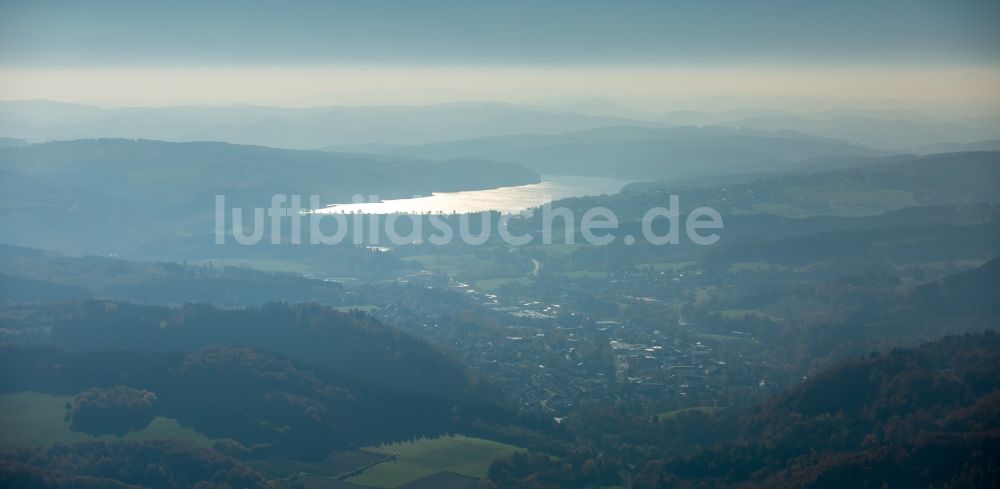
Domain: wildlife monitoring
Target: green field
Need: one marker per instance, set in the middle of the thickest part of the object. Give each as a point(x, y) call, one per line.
point(261, 265)
point(851, 202)
point(459, 454)
point(493, 284)
point(666, 266)
point(556, 249)
point(953, 264)
point(583, 274)
point(755, 266)
point(453, 264)
point(742, 341)
point(336, 464)
point(675, 412)
point(832, 199)
point(741, 313)
point(34, 419)
point(362, 308)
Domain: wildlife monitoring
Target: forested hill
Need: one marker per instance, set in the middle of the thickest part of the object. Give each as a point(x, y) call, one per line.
point(844, 187)
point(268, 403)
point(975, 291)
point(168, 173)
point(351, 344)
point(36, 275)
point(97, 465)
point(924, 417)
point(115, 194)
point(938, 404)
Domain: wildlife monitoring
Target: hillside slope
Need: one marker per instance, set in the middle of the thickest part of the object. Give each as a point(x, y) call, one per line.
point(641, 153)
point(113, 194)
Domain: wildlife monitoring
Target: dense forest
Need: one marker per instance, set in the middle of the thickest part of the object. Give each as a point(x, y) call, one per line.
point(121, 465)
point(924, 417)
point(261, 401)
point(349, 342)
point(36, 275)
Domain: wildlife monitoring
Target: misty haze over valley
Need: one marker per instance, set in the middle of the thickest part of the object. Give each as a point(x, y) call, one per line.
point(434, 244)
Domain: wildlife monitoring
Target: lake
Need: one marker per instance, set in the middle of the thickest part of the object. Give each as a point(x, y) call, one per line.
point(507, 200)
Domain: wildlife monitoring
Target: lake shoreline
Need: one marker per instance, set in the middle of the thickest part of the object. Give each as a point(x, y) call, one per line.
point(506, 200)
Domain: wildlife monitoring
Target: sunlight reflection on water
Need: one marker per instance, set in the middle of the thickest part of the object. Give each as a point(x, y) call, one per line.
point(505, 199)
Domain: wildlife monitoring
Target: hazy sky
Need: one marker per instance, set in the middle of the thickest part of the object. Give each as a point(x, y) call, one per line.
point(301, 53)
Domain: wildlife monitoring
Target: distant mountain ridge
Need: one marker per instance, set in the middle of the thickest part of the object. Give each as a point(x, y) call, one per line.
point(5, 142)
point(324, 126)
point(639, 152)
point(294, 128)
point(987, 145)
point(887, 130)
